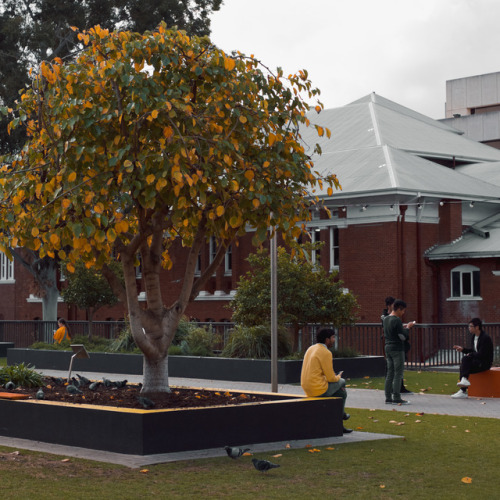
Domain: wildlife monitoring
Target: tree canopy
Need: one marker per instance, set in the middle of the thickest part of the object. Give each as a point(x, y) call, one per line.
point(148, 139)
point(32, 31)
point(306, 293)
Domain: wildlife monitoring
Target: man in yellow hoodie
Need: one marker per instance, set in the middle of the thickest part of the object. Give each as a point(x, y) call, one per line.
point(318, 378)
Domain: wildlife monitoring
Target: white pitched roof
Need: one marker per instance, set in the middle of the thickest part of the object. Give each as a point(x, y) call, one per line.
point(380, 147)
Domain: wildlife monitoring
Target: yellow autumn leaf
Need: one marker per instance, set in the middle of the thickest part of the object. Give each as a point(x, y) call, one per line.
point(271, 138)
point(110, 233)
point(277, 455)
point(54, 239)
point(220, 211)
point(66, 203)
point(330, 191)
point(35, 232)
point(466, 480)
point(249, 174)
point(320, 130)
point(72, 177)
point(255, 203)
point(243, 119)
point(154, 113)
point(150, 179)
point(229, 63)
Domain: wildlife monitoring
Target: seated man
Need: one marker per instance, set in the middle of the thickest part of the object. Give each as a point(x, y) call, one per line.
point(318, 378)
point(478, 358)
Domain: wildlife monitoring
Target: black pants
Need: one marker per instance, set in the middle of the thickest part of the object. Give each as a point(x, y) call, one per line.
point(470, 364)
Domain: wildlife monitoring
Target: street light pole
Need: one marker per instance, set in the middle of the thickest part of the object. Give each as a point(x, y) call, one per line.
point(274, 314)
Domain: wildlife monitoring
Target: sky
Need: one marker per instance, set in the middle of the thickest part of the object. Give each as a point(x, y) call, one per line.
point(403, 50)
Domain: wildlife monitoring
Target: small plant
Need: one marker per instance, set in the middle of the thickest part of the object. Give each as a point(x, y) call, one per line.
point(255, 342)
point(199, 342)
point(21, 374)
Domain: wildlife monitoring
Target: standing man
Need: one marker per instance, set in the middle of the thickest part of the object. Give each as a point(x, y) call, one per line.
point(395, 336)
point(478, 358)
point(318, 378)
point(389, 306)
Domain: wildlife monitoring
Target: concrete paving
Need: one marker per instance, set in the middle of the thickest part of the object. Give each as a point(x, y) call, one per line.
point(357, 398)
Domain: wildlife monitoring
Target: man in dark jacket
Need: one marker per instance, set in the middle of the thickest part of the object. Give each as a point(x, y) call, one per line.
point(478, 358)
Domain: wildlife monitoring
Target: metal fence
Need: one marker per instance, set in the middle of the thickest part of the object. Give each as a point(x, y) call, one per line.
point(431, 344)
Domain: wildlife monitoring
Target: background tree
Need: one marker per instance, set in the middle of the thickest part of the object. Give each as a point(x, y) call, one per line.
point(306, 294)
point(147, 141)
point(88, 290)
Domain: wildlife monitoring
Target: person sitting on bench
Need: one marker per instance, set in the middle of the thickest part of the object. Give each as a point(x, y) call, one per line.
point(478, 358)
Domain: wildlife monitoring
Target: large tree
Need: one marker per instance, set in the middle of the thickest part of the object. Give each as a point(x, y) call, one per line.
point(30, 31)
point(146, 140)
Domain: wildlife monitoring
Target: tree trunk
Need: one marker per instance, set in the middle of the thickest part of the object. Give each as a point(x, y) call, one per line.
point(90, 315)
point(155, 376)
point(49, 303)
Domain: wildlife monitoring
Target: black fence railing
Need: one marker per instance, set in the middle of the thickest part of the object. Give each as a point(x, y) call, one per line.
point(431, 344)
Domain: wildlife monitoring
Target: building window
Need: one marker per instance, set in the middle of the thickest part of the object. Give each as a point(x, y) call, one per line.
point(465, 282)
point(316, 252)
point(334, 248)
point(228, 261)
point(6, 269)
point(197, 270)
point(212, 249)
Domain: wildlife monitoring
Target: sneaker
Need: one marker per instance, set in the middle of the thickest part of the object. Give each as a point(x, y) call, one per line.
point(463, 383)
point(401, 402)
point(460, 395)
point(405, 391)
point(388, 401)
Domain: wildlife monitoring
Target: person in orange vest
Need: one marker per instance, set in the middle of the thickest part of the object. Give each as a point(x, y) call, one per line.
point(62, 332)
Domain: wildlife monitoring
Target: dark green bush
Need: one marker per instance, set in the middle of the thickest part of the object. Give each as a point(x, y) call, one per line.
point(255, 342)
point(22, 375)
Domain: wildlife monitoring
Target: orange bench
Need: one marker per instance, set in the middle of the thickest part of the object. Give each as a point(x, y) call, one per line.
point(485, 384)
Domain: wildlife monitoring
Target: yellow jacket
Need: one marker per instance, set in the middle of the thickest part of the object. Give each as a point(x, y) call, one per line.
point(60, 334)
point(317, 370)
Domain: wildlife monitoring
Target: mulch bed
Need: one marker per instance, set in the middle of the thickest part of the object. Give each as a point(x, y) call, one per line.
point(108, 394)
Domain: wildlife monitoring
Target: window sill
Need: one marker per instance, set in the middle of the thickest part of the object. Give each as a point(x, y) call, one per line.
point(461, 299)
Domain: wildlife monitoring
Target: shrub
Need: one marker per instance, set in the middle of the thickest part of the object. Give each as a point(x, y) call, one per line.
point(255, 342)
point(21, 374)
point(199, 341)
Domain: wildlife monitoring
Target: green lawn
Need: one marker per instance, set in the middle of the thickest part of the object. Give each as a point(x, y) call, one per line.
point(431, 382)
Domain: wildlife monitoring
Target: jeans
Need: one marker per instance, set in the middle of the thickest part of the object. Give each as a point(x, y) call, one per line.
point(395, 367)
point(336, 390)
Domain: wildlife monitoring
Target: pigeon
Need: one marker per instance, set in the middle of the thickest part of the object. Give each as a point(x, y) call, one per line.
point(107, 382)
point(10, 386)
point(40, 394)
point(57, 380)
point(121, 383)
point(263, 465)
point(83, 380)
point(147, 403)
point(75, 382)
point(235, 452)
point(73, 389)
point(94, 385)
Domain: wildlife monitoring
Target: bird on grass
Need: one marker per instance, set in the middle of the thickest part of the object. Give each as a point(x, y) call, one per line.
point(263, 465)
point(40, 394)
point(83, 380)
point(94, 385)
point(73, 389)
point(147, 403)
point(10, 386)
point(235, 452)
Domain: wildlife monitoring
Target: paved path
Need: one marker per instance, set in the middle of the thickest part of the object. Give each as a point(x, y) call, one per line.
point(357, 398)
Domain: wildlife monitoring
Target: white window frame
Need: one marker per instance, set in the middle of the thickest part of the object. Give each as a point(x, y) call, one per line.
point(6, 269)
point(334, 245)
point(228, 261)
point(315, 253)
point(465, 272)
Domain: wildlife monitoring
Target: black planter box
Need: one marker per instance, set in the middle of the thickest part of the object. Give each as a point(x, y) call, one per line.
point(244, 370)
point(148, 432)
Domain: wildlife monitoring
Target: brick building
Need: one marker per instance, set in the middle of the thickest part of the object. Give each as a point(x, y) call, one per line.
point(418, 217)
